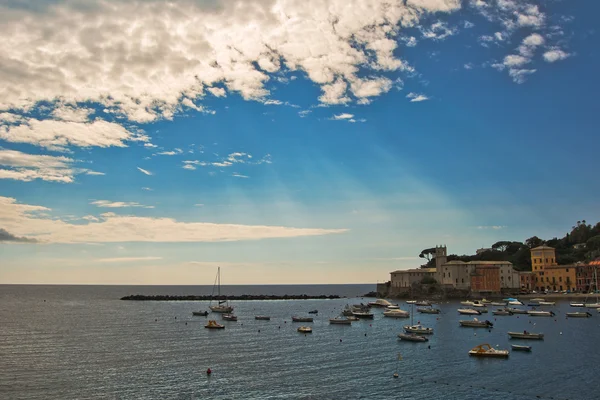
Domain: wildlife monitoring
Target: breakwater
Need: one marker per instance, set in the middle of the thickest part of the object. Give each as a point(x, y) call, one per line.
point(139, 297)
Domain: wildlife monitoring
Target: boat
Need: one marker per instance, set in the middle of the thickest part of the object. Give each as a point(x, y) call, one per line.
point(579, 314)
point(475, 323)
point(229, 317)
point(535, 313)
point(418, 329)
point(302, 319)
point(513, 302)
point(576, 304)
point(518, 347)
point(392, 307)
point(592, 305)
point(428, 310)
point(477, 303)
point(486, 301)
point(223, 305)
point(352, 318)
point(313, 312)
point(411, 301)
point(305, 329)
point(200, 313)
point(347, 311)
point(412, 337)
point(212, 324)
point(396, 314)
point(380, 303)
point(468, 311)
point(485, 350)
point(340, 321)
point(517, 310)
point(424, 303)
point(526, 335)
point(502, 311)
point(262, 317)
point(497, 303)
point(467, 303)
point(363, 314)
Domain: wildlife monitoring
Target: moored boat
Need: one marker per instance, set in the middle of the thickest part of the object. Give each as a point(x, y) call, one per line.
point(468, 311)
point(547, 303)
point(229, 317)
point(502, 311)
point(592, 305)
point(212, 324)
point(516, 310)
point(392, 307)
point(352, 318)
point(424, 303)
point(302, 319)
point(339, 321)
point(363, 314)
point(262, 317)
point(428, 310)
point(579, 314)
point(475, 323)
point(418, 329)
point(313, 312)
point(526, 335)
point(536, 313)
point(305, 329)
point(576, 304)
point(412, 337)
point(518, 347)
point(411, 301)
point(497, 303)
point(380, 303)
point(200, 313)
point(485, 350)
point(396, 314)
point(222, 305)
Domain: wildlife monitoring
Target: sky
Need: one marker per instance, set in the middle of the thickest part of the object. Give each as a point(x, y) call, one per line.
point(288, 142)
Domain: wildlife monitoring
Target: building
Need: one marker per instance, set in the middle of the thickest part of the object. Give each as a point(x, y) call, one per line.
point(542, 257)
point(485, 279)
point(403, 280)
point(559, 277)
point(527, 280)
point(587, 276)
point(457, 274)
point(509, 277)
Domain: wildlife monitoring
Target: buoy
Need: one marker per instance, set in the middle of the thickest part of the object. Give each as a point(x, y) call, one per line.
point(186, 323)
point(208, 371)
point(395, 374)
point(365, 334)
point(259, 331)
point(340, 340)
point(175, 317)
point(155, 320)
point(561, 333)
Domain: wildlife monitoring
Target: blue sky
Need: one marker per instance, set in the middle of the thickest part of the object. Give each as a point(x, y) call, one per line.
point(324, 142)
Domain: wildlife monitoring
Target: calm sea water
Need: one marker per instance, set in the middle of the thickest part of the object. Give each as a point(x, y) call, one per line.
point(82, 342)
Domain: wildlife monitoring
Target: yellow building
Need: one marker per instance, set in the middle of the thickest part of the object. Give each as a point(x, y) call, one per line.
point(547, 275)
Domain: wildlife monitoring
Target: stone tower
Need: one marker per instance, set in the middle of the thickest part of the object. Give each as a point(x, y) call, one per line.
point(441, 256)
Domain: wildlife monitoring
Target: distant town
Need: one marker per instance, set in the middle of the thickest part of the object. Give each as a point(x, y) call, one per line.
point(567, 265)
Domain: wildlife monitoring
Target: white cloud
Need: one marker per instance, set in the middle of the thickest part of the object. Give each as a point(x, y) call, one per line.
point(236, 175)
point(515, 60)
point(535, 39)
point(150, 145)
point(342, 116)
point(273, 102)
point(520, 75)
point(28, 167)
point(304, 113)
point(415, 97)
point(27, 220)
point(173, 152)
point(217, 91)
point(438, 31)
point(144, 171)
point(57, 135)
point(189, 167)
point(147, 189)
point(468, 24)
point(199, 205)
point(362, 88)
point(468, 66)
point(66, 112)
point(127, 259)
point(118, 204)
point(555, 55)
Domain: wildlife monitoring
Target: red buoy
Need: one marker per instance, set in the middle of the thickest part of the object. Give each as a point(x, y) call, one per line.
point(208, 372)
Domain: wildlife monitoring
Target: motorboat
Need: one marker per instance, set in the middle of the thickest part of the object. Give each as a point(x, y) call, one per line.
point(411, 301)
point(518, 347)
point(313, 312)
point(477, 303)
point(497, 303)
point(486, 301)
point(424, 303)
point(302, 319)
point(339, 321)
point(502, 311)
point(200, 313)
point(485, 350)
point(412, 337)
point(576, 304)
point(592, 305)
point(513, 302)
point(347, 311)
point(380, 303)
point(392, 307)
point(468, 311)
point(352, 318)
point(517, 310)
point(305, 329)
point(428, 310)
point(526, 335)
point(364, 314)
point(262, 317)
point(229, 317)
point(475, 323)
point(547, 303)
point(418, 329)
point(396, 314)
point(467, 303)
point(579, 314)
point(536, 313)
point(212, 324)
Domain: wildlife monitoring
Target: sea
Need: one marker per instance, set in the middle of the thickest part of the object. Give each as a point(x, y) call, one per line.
point(83, 342)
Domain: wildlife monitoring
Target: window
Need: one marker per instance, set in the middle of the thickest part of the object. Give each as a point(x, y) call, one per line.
point(567, 269)
point(463, 280)
point(560, 279)
point(456, 280)
point(509, 278)
point(546, 260)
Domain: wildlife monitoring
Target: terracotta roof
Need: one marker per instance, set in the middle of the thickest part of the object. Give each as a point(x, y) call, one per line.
point(489, 262)
point(543, 247)
point(455, 262)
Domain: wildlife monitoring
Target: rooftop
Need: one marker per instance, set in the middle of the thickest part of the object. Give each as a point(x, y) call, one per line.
point(543, 247)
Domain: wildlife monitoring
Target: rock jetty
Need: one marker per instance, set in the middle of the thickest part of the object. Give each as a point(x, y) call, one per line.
point(141, 297)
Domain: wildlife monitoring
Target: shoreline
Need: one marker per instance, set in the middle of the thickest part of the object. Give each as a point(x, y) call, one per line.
point(139, 297)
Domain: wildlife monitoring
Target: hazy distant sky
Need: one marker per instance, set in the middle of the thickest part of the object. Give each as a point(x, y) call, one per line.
point(288, 141)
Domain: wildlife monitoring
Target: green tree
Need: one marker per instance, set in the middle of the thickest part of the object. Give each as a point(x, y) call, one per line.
point(533, 242)
point(501, 245)
point(427, 253)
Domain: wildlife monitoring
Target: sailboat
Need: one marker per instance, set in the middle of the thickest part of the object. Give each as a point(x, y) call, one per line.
point(223, 305)
point(412, 329)
point(597, 303)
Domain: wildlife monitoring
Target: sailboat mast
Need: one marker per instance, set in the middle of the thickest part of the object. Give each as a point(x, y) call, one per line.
point(219, 279)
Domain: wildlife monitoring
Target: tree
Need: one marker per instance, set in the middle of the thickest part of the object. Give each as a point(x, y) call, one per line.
point(593, 243)
point(534, 241)
point(501, 245)
point(427, 253)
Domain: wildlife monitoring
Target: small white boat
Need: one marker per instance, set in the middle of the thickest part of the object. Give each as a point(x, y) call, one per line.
point(200, 313)
point(475, 323)
point(418, 329)
point(411, 301)
point(576, 304)
point(467, 303)
point(305, 329)
point(535, 313)
point(517, 310)
point(477, 303)
point(340, 321)
point(212, 324)
point(502, 311)
point(363, 314)
point(547, 303)
point(262, 317)
point(302, 319)
point(518, 347)
point(424, 303)
point(497, 303)
point(229, 317)
point(515, 303)
point(579, 314)
point(485, 350)
point(412, 337)
point(468, 311)
point(392, 307)
point(526, 335)
point(352, 318)
point(396, 314)
point(592, 305)
point(428, 310)
point(380, 303)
